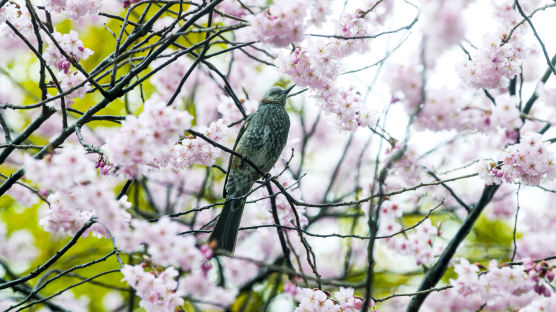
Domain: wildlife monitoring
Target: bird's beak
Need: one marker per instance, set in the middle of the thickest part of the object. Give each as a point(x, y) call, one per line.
point(289, 89)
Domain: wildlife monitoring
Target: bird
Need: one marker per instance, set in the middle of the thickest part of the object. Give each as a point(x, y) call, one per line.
point(260, 140)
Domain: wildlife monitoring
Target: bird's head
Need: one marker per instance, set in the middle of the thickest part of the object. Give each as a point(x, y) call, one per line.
point(276, 96)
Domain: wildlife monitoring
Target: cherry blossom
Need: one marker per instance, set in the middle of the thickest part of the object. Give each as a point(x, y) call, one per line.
point(196, 285)
point(492, 66)
point(23, 195)
point(317, 67)
point(70, 80)
point(192, 150)
point(406, 84)
point(500, 282)
point(317, 300)
point(76, 196)
point(18, 15)
point(165, 245)
point(158, 290)
point(143, 142)
point(444, 24)
point(71, 45)
point(282, 23)
point(506, 113)
point(74, 9)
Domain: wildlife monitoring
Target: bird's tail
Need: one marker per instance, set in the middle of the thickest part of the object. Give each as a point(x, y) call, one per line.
point(227, 226)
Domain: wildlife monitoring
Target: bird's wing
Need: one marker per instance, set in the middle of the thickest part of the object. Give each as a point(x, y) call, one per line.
point(239, 135)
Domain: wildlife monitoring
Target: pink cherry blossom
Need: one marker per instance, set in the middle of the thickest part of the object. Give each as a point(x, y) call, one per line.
point(74, 9)
point(313, 300)
point(77, 195)
point(406, 84)
point(18, 15)
point(144, 142)
point(192, 150)
point(70, 80)
point(491, 66)
point(282, 23)
point(445, 26)
point(158, 290)
point(23, 195)
point(196, 285)
point(500, 282)
point(506, 113)
point(529, 161)
point(165, 245)
point(71, 45)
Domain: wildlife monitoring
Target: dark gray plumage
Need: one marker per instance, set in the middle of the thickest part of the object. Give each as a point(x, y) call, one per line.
point(261, 139)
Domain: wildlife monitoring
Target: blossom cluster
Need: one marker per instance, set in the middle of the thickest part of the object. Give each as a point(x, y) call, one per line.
point(506, 113)
point(382, 9)
point(441, 111)
point(528, 161)
point(158, 289)
point(502, 53)
point(444, 25)
point(316, 300)
point(74, 9)
point(22, 195)
point(353, 27)
point(319, 10)
point(193, 150)
point(317, 67)
point(18, 15)
point(80, 194)
point(197, 285)
point(71, 45)
point(76, 194)
point(494, 64)
point(164, 244)
point(144, 141)
point(72, 80)
point(508, 15)
point(538, 273)
point(74, 48)
point(500, 282)
point(282, 23)
point(406, 85)
point(408, 168)
point(418, 243)
point(445, 111)
point(449, 110)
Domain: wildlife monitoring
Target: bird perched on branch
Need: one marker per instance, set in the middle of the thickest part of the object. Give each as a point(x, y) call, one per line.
point(261, 139)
